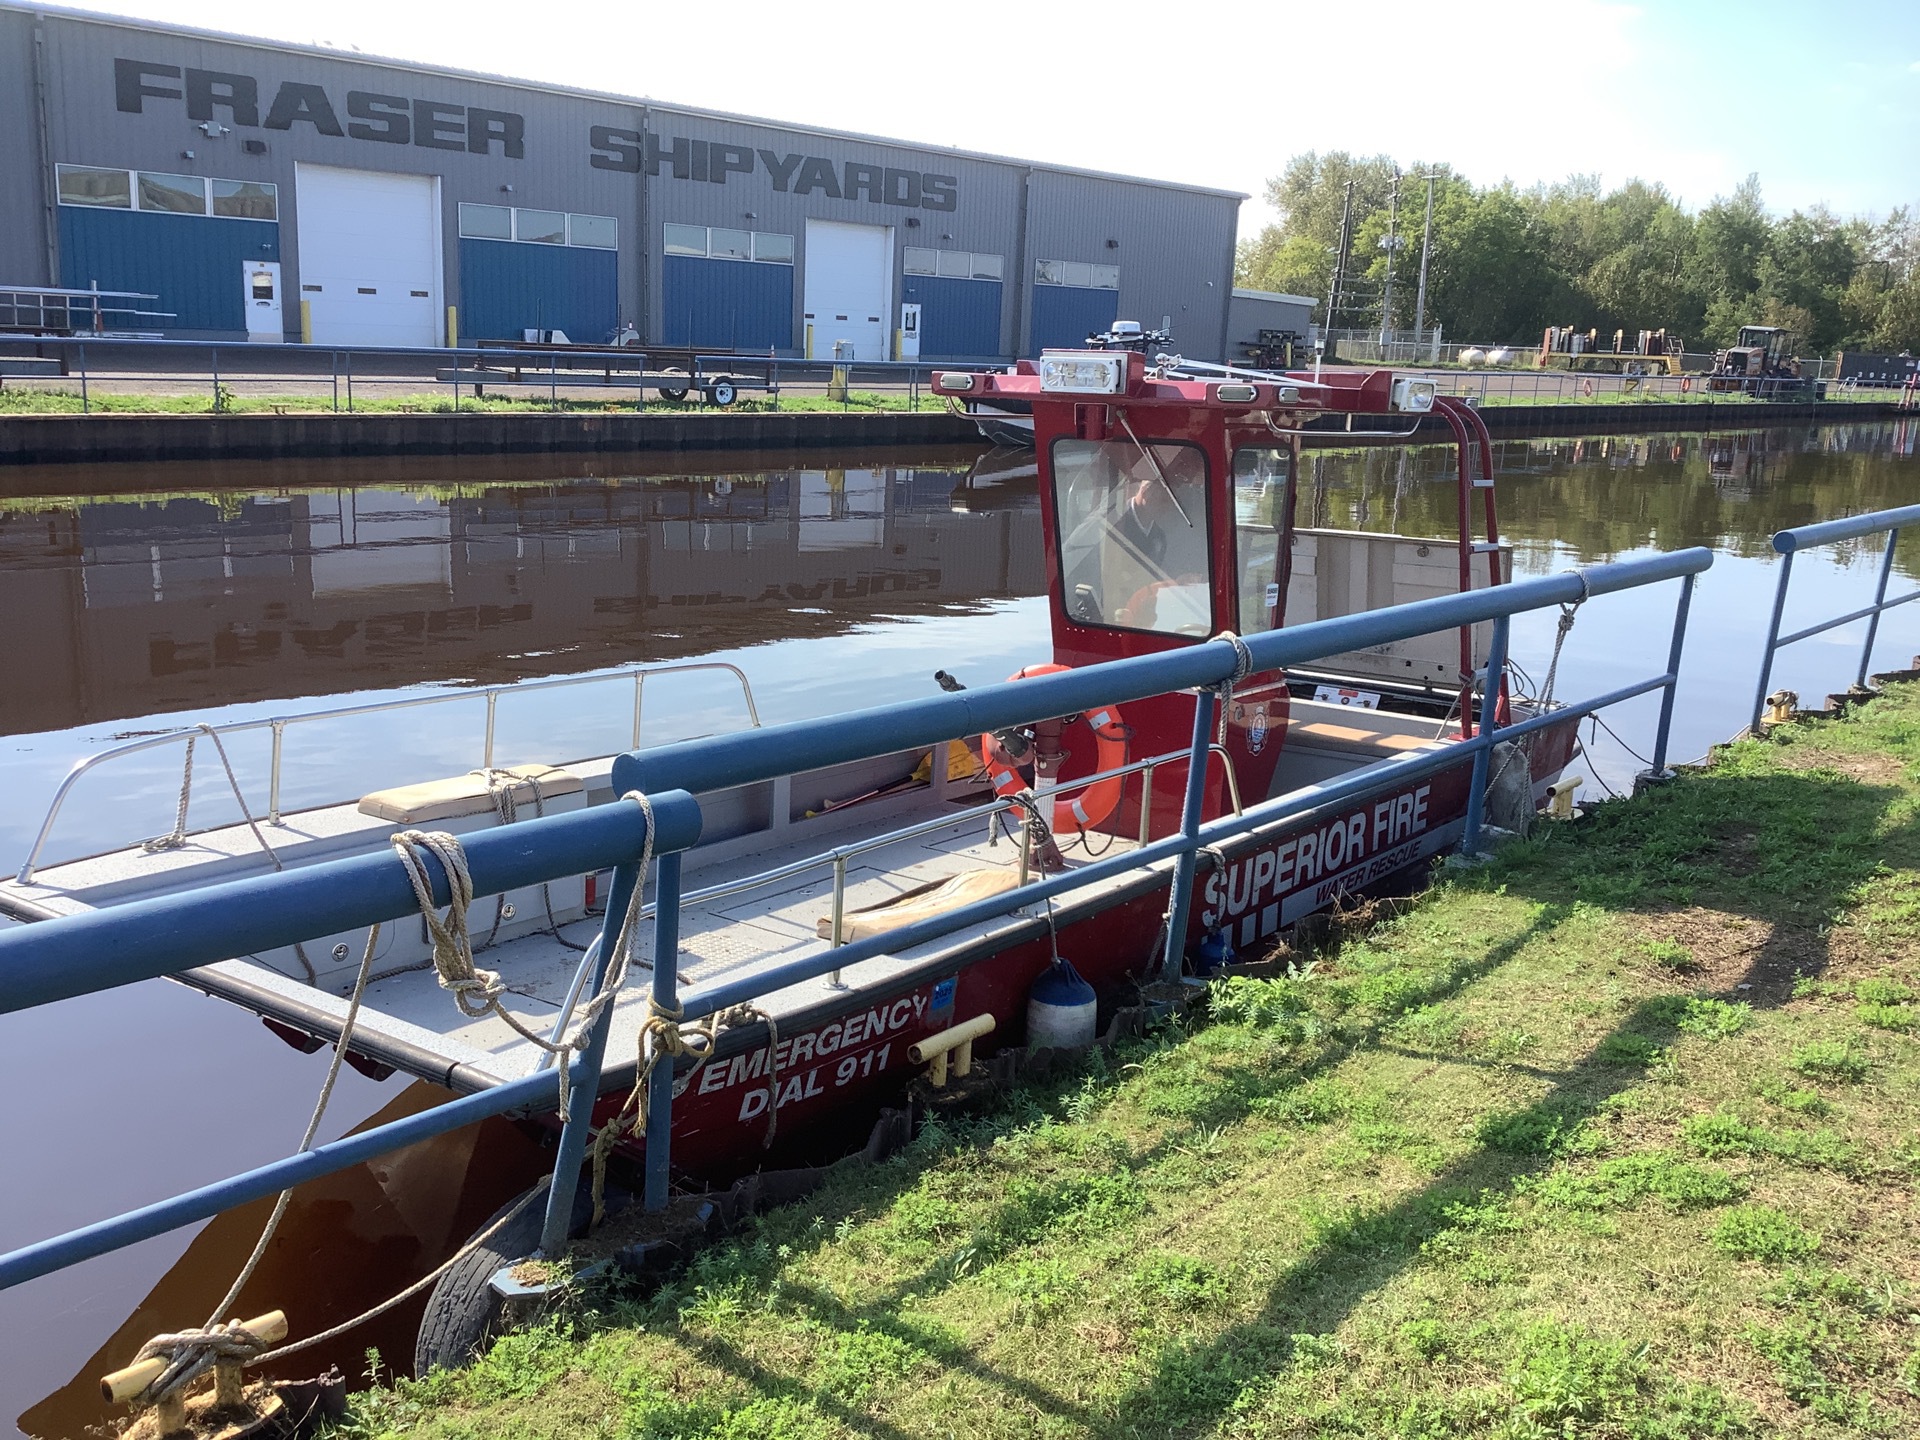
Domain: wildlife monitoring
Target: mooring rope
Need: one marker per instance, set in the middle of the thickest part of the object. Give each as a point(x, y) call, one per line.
point(1242, 667)
point(476, 990)
point(1560, 638)
point(191, 1353)
point(500, 784)
point(664, 1038)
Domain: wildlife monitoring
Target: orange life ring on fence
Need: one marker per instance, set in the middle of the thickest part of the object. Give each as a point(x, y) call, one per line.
point(1094, 803)
point(1686, 383)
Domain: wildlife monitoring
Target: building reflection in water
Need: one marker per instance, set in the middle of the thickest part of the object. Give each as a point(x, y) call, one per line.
point(143, 606)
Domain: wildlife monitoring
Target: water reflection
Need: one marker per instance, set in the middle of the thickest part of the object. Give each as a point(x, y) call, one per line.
point(138, 607)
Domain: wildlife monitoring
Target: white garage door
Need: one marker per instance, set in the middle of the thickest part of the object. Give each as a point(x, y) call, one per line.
point(369, 255)
point(848, 286)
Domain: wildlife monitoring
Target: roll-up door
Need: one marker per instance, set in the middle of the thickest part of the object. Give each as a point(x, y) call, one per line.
point(848, 288)
point(369, 257)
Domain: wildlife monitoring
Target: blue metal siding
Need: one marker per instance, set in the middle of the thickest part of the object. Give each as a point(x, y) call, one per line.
point(192, 262)
point(740, 304)
point(959, 319)
point(507, 287)
point(1064, 315)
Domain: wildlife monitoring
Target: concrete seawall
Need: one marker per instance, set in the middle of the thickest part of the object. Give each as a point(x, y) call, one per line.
point(106, 439)
point(101, 439)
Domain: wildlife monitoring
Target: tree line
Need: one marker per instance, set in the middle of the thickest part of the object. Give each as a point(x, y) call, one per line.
point(1505, 263)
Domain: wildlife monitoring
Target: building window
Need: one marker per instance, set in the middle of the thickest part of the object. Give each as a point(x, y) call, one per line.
point(246, 199)
point(595, 232)
point(84, 185)
point(687, 240)
point(178, 194)
point(718, 242)
point(540, 227)
point(1076, 273)
point(773, 249)
point(486, 222)
point(168, 194)
point(954, 264)
point(729, 244)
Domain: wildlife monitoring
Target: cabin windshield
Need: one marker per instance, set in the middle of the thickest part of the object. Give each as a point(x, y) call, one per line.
point(1132, 520)
point(1260, 505)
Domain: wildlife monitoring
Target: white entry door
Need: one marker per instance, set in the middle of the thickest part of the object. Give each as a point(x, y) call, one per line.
point(848, 288)
point(369, 255)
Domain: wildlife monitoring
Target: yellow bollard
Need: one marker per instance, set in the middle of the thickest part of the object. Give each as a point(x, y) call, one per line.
point(306, 322)
point(956, 1041)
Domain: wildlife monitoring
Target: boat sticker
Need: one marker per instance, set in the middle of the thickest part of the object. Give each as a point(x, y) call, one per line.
point(1342, 695)
point(1257, 731)
point(1363, 845)
point(942, 1002)
point(819, 1060)
point(1273, 594)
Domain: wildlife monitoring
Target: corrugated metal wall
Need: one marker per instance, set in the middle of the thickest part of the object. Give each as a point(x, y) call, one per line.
point(1065, 315)
point(959, 319)
point(589, 154)
point(23, 217)
point(1174, 249)
point(728, 304)
point(192, 262)
point(506, 288)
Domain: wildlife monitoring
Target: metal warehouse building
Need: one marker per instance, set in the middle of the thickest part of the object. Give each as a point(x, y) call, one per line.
point(283, 191)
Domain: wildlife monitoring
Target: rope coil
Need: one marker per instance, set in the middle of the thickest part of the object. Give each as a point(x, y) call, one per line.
point(477, 990)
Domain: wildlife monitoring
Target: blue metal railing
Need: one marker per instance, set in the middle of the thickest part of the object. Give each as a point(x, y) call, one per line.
point(143, 939)
point(1788, 543)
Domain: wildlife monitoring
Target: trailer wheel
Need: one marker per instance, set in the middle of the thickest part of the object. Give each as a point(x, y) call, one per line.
point(463, 1312)
point(675, 392)
point(722, 394)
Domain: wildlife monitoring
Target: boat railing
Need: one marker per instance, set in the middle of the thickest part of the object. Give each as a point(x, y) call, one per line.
point(1787, 544)
point(280, 724)
point(168, 934)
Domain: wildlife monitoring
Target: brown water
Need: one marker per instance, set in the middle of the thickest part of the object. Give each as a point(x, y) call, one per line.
point(289, 589)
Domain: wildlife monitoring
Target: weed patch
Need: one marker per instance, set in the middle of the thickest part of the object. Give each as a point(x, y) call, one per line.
point(1759, 1232)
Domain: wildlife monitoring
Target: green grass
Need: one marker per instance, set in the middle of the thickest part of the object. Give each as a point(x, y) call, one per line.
point(1502, 1168)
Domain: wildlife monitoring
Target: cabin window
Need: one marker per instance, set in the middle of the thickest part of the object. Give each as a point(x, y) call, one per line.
point(1133, 534)
point(1260, 505)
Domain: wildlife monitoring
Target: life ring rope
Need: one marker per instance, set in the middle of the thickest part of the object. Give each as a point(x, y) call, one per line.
point(1092, 803)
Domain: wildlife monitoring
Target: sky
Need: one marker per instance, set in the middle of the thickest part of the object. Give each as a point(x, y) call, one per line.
point(1822, 101)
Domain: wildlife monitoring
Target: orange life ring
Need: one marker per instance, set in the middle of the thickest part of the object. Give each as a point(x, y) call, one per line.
point(1686, 383)
point(1094, 803)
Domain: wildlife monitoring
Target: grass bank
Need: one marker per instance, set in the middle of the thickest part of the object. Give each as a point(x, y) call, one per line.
point(1613, 1138)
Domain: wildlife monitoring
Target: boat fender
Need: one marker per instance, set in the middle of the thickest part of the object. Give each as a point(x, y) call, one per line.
point(1214, 950)
point(1061, 1010)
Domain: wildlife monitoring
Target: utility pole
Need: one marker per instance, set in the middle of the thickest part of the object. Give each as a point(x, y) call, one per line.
point(1392, 243)
point(1340, 257)
point(1426, 239)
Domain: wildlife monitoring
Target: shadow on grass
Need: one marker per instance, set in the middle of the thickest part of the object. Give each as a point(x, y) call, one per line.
point(1792, 851)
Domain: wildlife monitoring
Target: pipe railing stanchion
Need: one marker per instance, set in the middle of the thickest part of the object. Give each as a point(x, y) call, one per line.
point(1198, 756)
point(585, 1076)
point(666, 1001)
point(86, 405)
point(1665, 729)
point(1489, 721)
point(1879, 603)
point(1773, 640)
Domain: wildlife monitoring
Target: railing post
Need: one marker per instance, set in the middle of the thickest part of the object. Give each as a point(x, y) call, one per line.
point(1773, 638)
point(1483, 755)
point(273, 779)
point(493, 704)
point(1198, 754)
point(639, 697)
point(585, 1078)
point(1680, 609)
point(838, 938)
point(666, 1000)
point(86, 404)
point(1879, 600)
point(215, 351)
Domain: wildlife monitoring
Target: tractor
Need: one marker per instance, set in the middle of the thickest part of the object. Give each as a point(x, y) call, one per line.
point(1759, 362)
